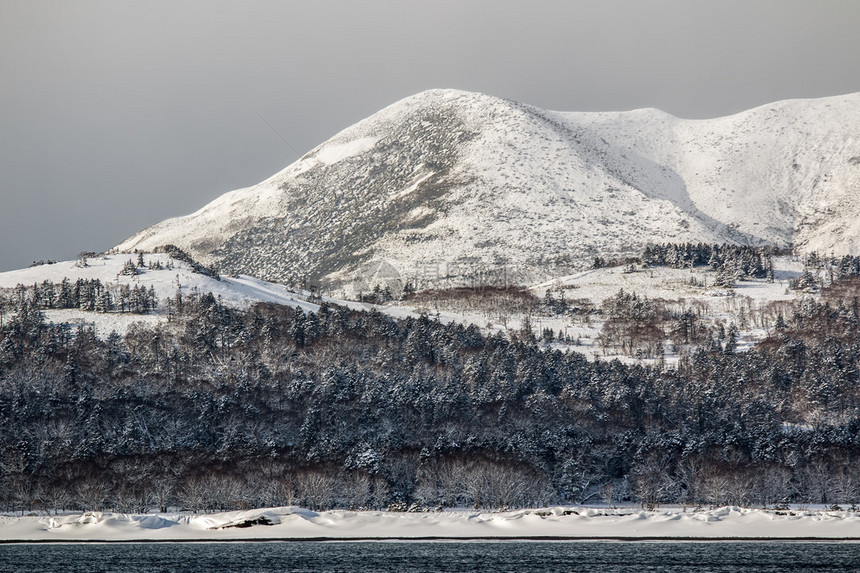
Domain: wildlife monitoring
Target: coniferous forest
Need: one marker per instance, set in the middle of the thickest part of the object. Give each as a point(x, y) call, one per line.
point(221, 408)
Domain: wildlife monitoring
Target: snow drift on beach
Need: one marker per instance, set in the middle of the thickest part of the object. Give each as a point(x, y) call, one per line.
point(568, 522)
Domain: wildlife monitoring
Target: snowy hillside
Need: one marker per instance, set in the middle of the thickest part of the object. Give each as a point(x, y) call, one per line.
point(165, 280)
point(781, 173)
point(449, 187)
point(751, 305)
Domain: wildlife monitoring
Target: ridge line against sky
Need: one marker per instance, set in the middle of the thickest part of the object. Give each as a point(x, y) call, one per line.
point(116, 115)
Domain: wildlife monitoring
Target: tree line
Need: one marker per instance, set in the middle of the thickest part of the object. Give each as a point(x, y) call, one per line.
point(88, 294)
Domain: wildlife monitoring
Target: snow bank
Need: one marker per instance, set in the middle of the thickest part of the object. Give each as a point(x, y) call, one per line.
point(560, 522)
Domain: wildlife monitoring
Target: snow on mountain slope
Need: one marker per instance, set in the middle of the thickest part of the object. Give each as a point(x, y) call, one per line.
point(450, 188)
point(770, 173)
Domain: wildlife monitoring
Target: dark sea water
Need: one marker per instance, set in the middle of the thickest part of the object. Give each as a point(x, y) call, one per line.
point(602, 557)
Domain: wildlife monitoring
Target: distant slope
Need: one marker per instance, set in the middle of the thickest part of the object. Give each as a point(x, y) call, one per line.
point(449, 187)
point(783, 173)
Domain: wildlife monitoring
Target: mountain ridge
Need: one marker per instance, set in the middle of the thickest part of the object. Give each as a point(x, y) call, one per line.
point(449, 187)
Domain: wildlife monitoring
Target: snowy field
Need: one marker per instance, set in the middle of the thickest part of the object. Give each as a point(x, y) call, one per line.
point(559, 522)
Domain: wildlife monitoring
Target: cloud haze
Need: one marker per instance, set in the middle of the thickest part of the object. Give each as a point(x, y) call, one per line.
point(115, 115)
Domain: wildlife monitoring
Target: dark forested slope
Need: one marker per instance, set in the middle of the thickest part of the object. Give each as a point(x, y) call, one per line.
point(221, 408)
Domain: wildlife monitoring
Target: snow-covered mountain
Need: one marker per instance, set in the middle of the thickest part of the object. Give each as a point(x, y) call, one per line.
point(451, 187)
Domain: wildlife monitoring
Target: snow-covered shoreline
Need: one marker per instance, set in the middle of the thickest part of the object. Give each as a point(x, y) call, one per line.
point(561, 523)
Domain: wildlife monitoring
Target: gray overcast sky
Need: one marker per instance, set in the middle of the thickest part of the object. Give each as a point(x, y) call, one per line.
point(115, 115)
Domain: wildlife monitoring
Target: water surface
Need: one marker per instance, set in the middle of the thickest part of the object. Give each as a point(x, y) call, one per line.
point(519, 556)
